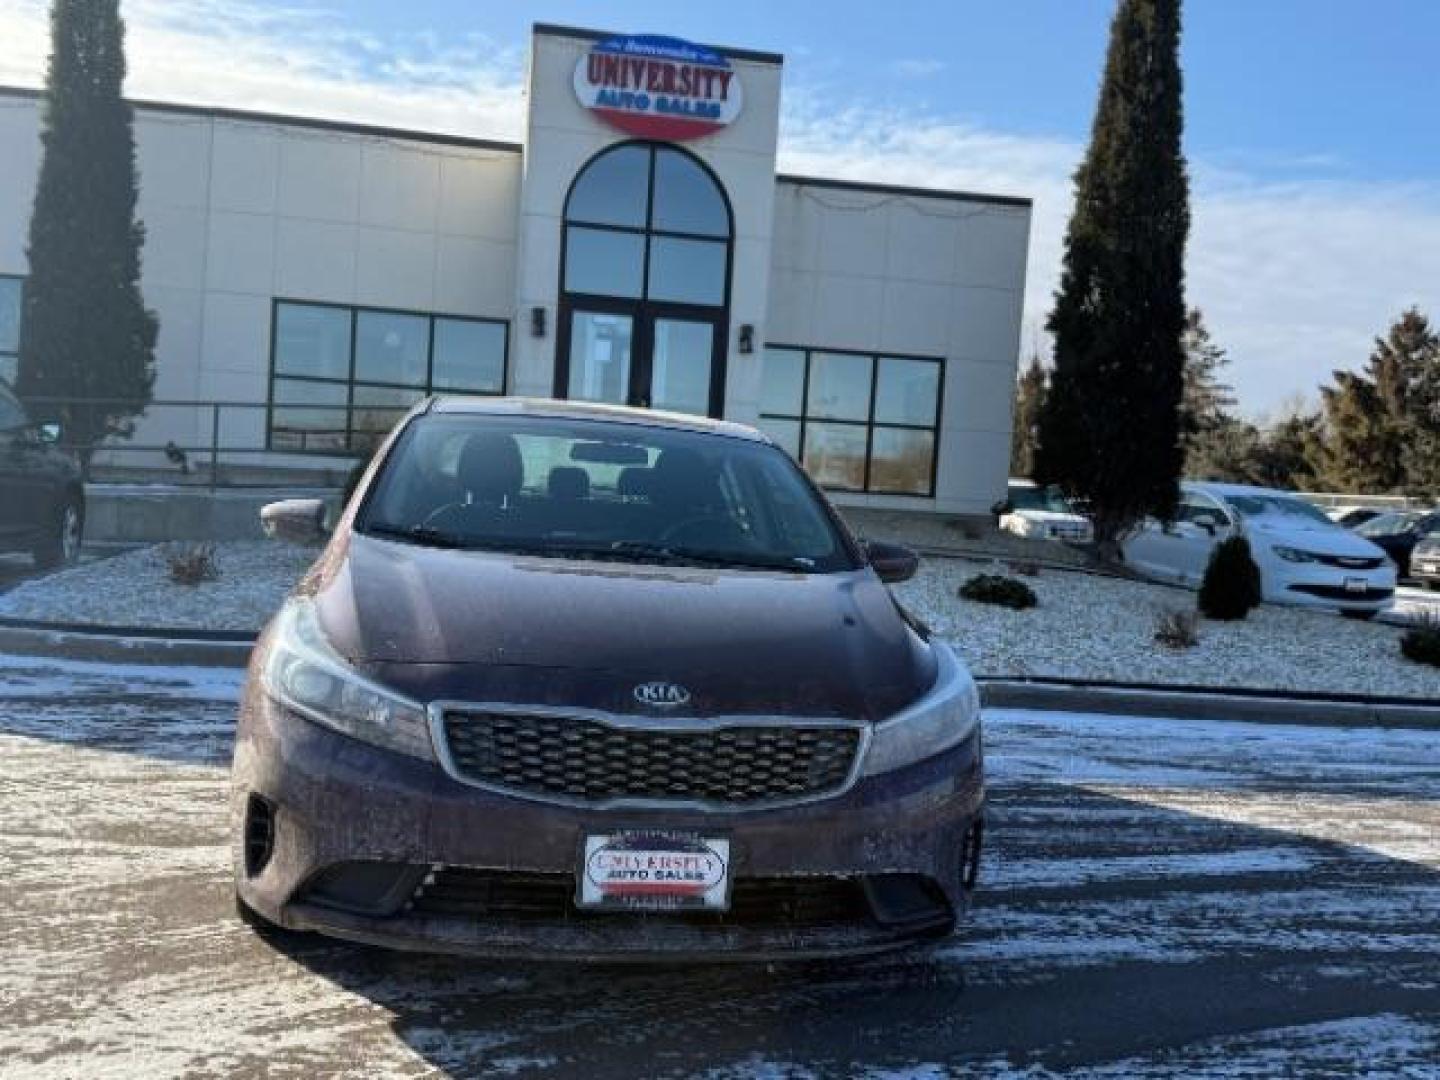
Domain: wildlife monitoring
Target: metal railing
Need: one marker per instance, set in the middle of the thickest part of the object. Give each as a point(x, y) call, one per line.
point(223, 443)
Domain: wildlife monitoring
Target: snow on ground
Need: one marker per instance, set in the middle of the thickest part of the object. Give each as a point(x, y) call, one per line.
point(135, 589)
point(1159, 899)
point(1103, 628)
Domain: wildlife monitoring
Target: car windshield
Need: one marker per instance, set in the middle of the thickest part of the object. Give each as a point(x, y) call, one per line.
point(1260, 505)
point(587, 488)
point(1031, 497)
point(1388, 524)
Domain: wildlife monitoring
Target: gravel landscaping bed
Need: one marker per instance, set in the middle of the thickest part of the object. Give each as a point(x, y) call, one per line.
point(1084, 627)
point(135, 589)
point(1101, 628)
point(970, 536)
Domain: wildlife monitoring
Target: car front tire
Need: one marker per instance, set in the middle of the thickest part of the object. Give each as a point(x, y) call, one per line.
point(61, 545)
point(1360, 616)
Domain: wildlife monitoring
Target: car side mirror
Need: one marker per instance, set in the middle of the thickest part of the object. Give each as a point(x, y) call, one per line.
point(300, 521)
point(1003, 507)
point(892, 563)
point(48, 433)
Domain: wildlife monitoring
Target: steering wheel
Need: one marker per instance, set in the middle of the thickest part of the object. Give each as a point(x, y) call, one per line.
point(440, 511)
point(723, 528)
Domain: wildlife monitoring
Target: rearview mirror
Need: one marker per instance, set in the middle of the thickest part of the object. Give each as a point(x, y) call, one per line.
point(892, 562)
point(300, 521)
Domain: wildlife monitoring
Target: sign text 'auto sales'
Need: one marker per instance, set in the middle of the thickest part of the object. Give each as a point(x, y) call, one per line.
point(658, 87)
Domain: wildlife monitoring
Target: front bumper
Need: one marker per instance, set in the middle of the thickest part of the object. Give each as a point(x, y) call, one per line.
point(333, 803)
point(1335, 589)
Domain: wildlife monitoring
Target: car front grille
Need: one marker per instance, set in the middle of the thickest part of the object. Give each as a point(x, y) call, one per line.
point(1353, 562)
point(592, 761)
point(1339, 592)
point(507, 895)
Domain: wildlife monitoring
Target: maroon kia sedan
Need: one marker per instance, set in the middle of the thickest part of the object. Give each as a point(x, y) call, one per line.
point(580, 682)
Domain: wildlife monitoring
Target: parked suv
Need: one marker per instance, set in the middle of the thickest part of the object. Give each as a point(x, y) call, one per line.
point(585, 682)
point(42, 501)
point(1425, 561)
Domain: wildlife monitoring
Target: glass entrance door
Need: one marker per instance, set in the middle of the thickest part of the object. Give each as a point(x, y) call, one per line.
point(682, 363)
point(657, 360)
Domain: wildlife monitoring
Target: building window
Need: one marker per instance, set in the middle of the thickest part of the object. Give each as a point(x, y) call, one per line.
point(10, 289)
point(340, 377)
point(645, 273)
point(856, 421)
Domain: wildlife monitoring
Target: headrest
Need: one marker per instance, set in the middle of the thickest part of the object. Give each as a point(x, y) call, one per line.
point(490, 468)
point(569, 482)
point(634, 482)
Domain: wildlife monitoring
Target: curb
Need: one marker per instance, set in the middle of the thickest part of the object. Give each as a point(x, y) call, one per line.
point(1194, 703)
point(109, 647)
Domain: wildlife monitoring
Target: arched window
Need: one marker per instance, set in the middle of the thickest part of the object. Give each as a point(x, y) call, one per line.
point(645, 280)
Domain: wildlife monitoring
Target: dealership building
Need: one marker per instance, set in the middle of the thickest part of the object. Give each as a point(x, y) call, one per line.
point(638, 247)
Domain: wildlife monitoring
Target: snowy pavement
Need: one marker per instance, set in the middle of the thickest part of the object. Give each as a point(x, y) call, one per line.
point(1159, 899)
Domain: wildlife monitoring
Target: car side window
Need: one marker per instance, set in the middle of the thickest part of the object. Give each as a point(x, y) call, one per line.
point(1199, 509)
point(12, 415)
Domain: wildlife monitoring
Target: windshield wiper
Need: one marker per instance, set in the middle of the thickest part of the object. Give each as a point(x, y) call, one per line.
point(711, 558)
point(425, 535)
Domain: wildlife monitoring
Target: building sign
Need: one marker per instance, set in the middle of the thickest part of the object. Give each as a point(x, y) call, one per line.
point(658, 87)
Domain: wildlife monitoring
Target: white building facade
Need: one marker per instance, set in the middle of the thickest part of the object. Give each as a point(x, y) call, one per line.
point(638, 248)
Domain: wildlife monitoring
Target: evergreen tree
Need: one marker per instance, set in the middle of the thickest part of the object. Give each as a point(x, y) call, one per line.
point(1383, 424)
point(1110, 431)
point(86, 333)
point(1205, 401)
point(1029, 399)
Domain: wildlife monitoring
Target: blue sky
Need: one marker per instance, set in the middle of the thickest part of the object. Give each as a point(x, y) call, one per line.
point(1311, 124)
point(1345, 87)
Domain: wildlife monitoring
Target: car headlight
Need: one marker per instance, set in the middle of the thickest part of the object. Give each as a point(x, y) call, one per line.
point(304, 673)
point(946, 716)
point(1290, 554)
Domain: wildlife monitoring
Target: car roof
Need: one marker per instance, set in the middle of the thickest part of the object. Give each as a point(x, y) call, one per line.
point(455, 404)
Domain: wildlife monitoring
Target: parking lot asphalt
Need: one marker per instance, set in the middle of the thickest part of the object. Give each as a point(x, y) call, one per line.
point(1160, 899)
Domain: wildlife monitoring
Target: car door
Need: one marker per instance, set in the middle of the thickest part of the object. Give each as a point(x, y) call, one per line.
point(13, 461)
point(1200, 524)
point(1178, 551)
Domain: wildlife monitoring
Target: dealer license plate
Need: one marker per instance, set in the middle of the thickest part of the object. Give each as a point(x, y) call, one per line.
point(653, 870)
point(1356, 584)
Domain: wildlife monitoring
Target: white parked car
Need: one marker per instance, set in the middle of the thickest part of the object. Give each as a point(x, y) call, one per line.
point(1304, 557)
point(1043, 514)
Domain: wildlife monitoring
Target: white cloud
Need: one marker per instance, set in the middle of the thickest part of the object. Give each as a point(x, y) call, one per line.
point(249, 55)
point(1294, 278)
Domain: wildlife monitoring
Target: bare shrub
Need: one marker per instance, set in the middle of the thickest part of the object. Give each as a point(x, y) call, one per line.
point(192, 564)
point(1176, 628)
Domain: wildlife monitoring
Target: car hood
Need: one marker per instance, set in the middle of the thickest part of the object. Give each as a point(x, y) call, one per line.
point(1317, 538)
point(487, 626)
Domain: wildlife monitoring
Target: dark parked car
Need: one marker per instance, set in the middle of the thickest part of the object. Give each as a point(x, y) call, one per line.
point(42, 501)
point(1425, 562)
point(1398, 533)
point(587, 682)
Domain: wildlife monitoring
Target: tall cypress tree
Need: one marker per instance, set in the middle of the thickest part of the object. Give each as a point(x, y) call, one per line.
point(1110, 432)
point(85, 332)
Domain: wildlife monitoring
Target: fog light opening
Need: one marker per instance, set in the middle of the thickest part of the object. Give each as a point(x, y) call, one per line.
point(259, 834)
point(970, 854)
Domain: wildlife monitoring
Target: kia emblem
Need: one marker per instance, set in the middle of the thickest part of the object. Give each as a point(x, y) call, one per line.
point(662, 695)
